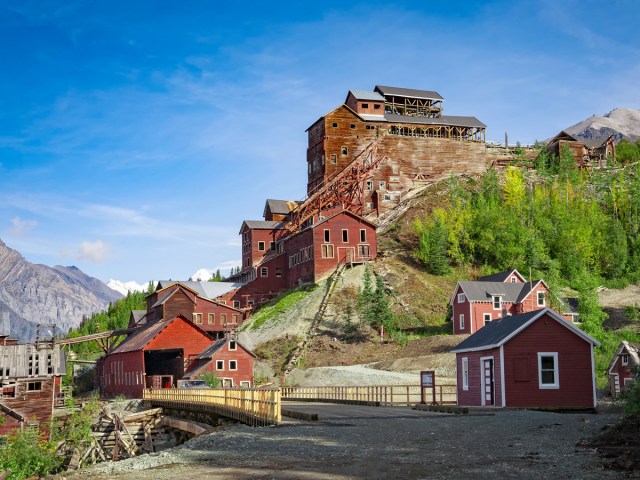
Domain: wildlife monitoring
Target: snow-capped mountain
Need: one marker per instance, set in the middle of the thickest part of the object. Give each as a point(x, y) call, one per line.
point(125, 287)
point(202, 275)
point(622, 123)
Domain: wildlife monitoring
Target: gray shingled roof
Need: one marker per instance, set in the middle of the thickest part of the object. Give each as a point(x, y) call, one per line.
point(452, 120)
point(499, 277)
point(280, 207)
point(593, 142)
point(262, 225)
point(408, 92)
point(210, 290)
point(484, 291)
point(367, 95)
point(500, 331)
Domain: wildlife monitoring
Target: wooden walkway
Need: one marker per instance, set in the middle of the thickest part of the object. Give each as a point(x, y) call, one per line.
point(251, 406)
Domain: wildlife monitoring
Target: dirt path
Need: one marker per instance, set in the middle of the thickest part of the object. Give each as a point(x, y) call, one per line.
point(511, 444)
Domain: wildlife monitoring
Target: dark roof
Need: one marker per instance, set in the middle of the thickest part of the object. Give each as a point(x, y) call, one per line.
point(280, 207)
point(138, 317)
point(366, 95)
point(141, 337)
point(484, 291)
point(210, 351)
point(207, 290)
point(499, 277)
point(593, 142)
point(407, 92)
point(498, 332)
point(452, 120)
point(262, 225)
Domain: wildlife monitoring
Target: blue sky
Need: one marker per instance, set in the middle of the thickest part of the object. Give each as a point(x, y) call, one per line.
point(136, 136)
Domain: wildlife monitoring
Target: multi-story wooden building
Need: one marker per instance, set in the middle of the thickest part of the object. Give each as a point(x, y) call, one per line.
point(624, 368)
point(588, 152)
point(31, 379)
point(418, 143)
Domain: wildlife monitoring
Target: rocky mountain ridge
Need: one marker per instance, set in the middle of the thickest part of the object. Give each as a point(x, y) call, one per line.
point(36, 294)
point(622, 123)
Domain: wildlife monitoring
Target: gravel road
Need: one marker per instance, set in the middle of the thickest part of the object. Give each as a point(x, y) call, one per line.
point(509, 445)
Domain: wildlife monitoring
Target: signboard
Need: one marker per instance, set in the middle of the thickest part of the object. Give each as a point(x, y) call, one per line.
point(428, 380)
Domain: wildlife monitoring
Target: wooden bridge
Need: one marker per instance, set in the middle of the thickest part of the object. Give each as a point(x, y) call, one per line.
point(263, 407)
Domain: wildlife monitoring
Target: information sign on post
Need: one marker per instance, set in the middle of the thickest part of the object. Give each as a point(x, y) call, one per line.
point(428, 380)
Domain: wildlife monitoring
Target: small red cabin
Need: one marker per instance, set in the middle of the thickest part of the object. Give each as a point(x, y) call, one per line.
point(229, 360)
point(620, 369)
point(531, 360)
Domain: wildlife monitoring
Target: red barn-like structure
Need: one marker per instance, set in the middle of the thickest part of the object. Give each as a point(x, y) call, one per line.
point(229, 360)
point(619, 371)
point(531, 360)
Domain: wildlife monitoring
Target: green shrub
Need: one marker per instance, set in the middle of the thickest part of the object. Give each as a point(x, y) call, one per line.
point(26, 454)
point(210, 379)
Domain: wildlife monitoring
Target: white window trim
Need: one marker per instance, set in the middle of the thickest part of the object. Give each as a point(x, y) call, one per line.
point(264, 271)
point(233, 369)
point(493, 301)
point(461, 298)
point(624, 359)
point(261, 243)
point(544, 300)
point(465, 373)
point(484, 318)
point(556, 372)
point(235, 345)
point(218, 365)
point(245, 384)
point(461, 321)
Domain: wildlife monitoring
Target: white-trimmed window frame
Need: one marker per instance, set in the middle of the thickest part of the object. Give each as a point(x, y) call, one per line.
point(264, 271)
point(493, 299)
point(461, 321)
point(556, 371)
point(624, 359)
point(487, 318)
point(539, 296)
point(233, 345)
point(233, 365)
point(261, 246)
point(211, 319)
point(465, 373)
point(219, 365)
point(461, 298)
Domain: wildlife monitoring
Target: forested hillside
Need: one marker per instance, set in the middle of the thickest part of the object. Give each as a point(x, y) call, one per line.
point(576, 229)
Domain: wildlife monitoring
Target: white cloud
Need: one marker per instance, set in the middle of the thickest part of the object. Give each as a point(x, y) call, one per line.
point(21, 227)
point(96, 252)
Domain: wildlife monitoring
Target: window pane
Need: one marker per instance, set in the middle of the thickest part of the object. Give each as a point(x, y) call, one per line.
point(547, 363)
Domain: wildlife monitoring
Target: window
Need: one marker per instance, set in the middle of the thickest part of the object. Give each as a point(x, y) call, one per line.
point(222, 302)
point(197, 318)
point(223, 318)
point(376, 106)
point(353, 126)
point(34, 386)
point(461, 298)
point(365, 105)
point(487, 318)
point(327, 251)
point(514, 279)
point(363, 251)
point(272, 246)
point(219, 364)
point(236, 304)
point(548, 370)
point(233, 345)
point(264, 271)
point(246, 262)
point(261, 246)
point(345, 236)
point(383, 185)
point(465, 373)
point(334, 158)
point(278, 272)
point(233, 364)
point(327, 236)
point(541, 299)
point(344, 150)
point(370, 127)
point(497, 302)
point(245, 384)
point(461, 321)
point(386, 196)
point(334, 125)
point(212, 319)
point(234, 318)
point(625, 359)
point(363, 236)
point(369, 185)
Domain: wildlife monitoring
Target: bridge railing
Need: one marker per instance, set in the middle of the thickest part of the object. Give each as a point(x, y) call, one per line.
point(252, 406)
point(445, 394)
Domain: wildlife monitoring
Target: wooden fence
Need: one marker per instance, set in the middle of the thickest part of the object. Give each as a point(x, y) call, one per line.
point(383, 395)
point(252, 406)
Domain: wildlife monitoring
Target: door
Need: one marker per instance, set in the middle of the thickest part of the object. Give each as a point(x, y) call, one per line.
point(487, 381)
point(346, 254)
point(616, 384)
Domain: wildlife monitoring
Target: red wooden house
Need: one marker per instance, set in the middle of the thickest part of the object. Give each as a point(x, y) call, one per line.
point(532, 360)
point(155, 355)
point(476, 303)
point(199, 301)
point(229, 360)
point(623, 369)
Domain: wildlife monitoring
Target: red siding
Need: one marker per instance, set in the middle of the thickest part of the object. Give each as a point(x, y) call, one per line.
point(623, 372)
point(575, 370)
point(244, 371)
point(473, 396)
point(31, 405)
point(121, 374)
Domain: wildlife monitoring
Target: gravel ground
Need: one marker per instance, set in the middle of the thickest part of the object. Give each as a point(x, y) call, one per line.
point(349, 375)
point(511, 444)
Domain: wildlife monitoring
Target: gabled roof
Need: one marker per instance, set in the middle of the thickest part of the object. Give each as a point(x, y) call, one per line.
point(137, 318)
point(564, 136)
point(262, 225)
point(167, 295)
point(452, 120)
point(210, 351)
point(345, 211)
point(280, 207)
point(408, 92)
point(501, 276)
point(595, 142)
point(484, 291)
point(366, 95)
point(527, 288)
point(633, 349)
point(499, 332)
point(209, 290)
point(329, 113)
point(140, 338)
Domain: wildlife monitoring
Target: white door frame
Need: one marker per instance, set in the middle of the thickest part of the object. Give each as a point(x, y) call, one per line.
point(483, 378)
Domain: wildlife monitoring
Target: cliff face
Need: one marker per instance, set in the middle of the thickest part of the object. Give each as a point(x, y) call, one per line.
point(36, 294)
point(622, 123)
